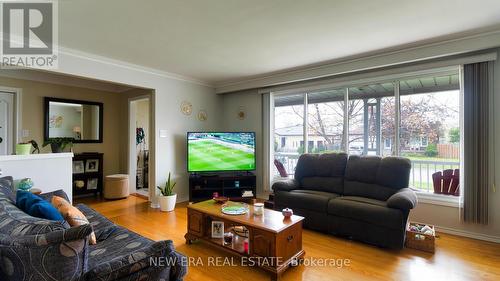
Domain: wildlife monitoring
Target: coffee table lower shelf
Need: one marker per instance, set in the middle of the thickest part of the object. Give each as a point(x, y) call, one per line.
point(272, 250)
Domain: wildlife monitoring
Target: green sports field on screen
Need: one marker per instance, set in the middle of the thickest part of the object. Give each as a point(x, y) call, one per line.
point(211, 152)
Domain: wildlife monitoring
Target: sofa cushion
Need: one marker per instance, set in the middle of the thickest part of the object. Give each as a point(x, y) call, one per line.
point(121, 242)
point(136, 261)
point(394, 172)
point(328, 166)
point(365, 200)
point(328, 184)
point(312, 200)
point(102, 226)
point(375, 177)
point(369, 190)
point(362, 168)
point(367, 210)
point(321, 165)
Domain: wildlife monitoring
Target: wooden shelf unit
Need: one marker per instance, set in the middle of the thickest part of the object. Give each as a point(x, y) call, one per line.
point(202, 187)
point(86, 176)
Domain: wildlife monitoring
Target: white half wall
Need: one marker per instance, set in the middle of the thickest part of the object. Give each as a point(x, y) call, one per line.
point(49, 172)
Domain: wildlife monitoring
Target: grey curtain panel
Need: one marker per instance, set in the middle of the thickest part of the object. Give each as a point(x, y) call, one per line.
point(478, 144)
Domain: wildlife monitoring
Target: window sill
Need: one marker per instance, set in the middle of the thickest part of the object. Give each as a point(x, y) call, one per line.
point(437, 199)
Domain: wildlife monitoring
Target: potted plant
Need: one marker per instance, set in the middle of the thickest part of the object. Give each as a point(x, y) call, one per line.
point(23, 148)
point(167, 197)
point(58, 144)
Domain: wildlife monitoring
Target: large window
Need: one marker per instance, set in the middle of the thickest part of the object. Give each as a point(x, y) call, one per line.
point(428, 131)
point(289, 138)
point(430, 126)
point(325, 121)
point(371, 119)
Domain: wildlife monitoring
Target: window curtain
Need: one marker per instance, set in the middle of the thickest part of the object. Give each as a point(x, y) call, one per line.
point(478, 141)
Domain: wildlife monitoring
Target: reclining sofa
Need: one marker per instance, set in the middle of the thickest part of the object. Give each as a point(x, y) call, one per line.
point(365, 198)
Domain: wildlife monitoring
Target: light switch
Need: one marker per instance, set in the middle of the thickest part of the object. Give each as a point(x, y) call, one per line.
point(163, 133)
point(25, 133)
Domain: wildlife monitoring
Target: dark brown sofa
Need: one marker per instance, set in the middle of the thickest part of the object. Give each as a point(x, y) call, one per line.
point(365, 198)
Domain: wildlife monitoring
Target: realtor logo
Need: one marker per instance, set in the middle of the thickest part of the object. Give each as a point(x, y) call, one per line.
point(29, 35)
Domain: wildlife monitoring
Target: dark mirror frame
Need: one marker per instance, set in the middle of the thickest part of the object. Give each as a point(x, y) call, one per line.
point(47, 101)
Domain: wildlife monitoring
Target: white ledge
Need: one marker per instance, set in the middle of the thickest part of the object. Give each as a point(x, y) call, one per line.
point(438, 199)
point(35, 156)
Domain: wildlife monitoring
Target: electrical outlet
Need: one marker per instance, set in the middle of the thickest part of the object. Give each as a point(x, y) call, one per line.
point(25, 133)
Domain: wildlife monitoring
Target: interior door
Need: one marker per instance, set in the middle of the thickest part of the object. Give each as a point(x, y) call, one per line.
point(6, 123)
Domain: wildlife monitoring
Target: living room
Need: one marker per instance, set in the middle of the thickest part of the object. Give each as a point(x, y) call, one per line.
point(344, 153)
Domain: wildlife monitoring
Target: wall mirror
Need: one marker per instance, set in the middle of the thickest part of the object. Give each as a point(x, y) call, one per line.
point(80, 120)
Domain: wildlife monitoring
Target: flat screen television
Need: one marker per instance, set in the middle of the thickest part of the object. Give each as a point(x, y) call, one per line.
point(220, 151)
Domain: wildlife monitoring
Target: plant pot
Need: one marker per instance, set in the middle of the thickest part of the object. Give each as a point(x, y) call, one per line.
point(55, 148)
point(167, 203)
point(23, 148)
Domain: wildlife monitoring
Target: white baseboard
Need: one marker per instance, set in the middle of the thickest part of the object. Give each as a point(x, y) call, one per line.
point(474, 235)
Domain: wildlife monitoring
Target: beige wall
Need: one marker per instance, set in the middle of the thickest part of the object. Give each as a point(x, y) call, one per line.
point(33, 115)
point(251, 102)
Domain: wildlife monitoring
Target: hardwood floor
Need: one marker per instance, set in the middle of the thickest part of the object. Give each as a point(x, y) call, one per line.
point(456, 258)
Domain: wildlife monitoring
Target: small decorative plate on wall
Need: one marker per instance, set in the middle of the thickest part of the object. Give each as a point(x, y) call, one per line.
point(241, 113)
point(202, 115)
point(186, 108)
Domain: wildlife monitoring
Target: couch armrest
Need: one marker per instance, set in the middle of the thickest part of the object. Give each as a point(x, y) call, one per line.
point(286, 185)
point(57, 255)
point(405, 199)
point(159, 259)
point(48, 195)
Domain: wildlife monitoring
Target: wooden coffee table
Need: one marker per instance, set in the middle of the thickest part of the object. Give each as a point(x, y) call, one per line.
point(273, 243)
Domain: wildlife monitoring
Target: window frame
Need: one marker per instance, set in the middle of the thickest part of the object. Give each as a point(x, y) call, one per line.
point(427, 197)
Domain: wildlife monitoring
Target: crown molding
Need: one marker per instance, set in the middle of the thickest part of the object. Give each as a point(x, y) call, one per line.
point(117, 63)
point(383, 58)
point(131, 66)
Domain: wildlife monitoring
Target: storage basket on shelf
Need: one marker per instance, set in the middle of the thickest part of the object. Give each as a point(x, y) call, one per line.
point(420, 236)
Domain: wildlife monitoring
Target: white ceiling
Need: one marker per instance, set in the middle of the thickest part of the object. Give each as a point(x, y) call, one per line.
point(228, 40)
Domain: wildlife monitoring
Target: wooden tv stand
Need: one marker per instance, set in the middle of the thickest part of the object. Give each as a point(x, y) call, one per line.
point(202, 186)
point(274, 243)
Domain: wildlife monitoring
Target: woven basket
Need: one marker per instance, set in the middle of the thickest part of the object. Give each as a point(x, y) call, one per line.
point(420, 241)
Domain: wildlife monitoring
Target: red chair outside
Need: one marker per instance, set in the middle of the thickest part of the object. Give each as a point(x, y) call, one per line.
point(447, 182)
point(281, 168)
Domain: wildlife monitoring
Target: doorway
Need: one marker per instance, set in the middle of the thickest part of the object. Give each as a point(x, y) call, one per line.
point(7, 115)
point(140, 144)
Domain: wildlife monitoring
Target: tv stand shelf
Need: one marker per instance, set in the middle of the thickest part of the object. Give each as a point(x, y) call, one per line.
point(203, 186)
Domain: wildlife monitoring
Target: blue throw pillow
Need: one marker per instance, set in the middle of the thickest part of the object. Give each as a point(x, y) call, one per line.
point(35, 206)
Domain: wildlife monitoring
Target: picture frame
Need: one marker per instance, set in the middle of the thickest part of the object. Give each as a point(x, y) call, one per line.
point(78, 167)
point(92, 165)
point(217, 229)
point(92, 184)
